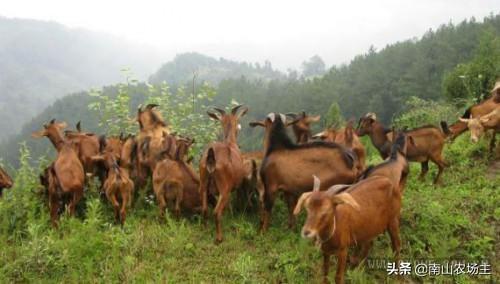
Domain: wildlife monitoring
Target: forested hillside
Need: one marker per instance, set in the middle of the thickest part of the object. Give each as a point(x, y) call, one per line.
point(208, 69)
point(41, 61)
point(436, 67)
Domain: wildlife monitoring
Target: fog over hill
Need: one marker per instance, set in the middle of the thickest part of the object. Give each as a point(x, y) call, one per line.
point(42, 61)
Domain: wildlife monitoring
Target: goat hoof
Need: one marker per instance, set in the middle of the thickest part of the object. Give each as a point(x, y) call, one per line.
point(218, 241)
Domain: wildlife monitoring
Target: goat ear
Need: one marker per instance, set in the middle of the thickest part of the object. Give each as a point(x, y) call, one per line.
point(256, 123)
point(61, 125)
point(344, 198)
point(271, 116)
point(39, 134)
point(315, 118)
point(317, 183)
point(300, 202)
point(484, 119)
point(291, 122)
point(319, 135)
point(213, 115)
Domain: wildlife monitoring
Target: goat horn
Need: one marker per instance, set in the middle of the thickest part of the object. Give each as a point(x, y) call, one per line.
point(221, 111)
point(79, 126)
point(52, 121)
point(317, 183)
point(150, 106)
point(235, 109)
point(301, 201)
point(371, 115)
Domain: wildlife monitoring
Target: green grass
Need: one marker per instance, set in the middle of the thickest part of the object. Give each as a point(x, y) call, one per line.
point(458, 221)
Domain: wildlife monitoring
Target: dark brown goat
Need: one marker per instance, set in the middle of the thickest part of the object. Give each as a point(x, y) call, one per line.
point(68, 169)
point(289, 167)
point(176, 180)
point(5, 181)
point(428, 143)
point(301, 126)
point(347, 138)
point(336, 221)
point(118, 186)
point(222, 167)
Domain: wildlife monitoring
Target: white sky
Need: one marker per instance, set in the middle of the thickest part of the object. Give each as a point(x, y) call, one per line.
point(284, 32)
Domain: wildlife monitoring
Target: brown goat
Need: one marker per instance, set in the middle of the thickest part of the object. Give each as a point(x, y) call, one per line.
point(118, 186)
point(347, 138)
point(5, 181)
point(289, 167)
point(222, 167)
point(301, 126)
point(88, 146)
point(480, 124)
point(480, 109)
point(176, 180)
point(336, 221)
point(68, 169)
point(428, 143)
point(150, 119)
point(153, 138)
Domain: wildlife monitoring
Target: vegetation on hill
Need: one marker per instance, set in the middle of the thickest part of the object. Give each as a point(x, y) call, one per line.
point(184, 66)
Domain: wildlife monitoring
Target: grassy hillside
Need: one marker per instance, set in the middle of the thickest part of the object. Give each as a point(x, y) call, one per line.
point(42, 61)
point(459, 221)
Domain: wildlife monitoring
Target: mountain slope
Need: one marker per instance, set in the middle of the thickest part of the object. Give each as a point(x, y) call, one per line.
point(41, 61)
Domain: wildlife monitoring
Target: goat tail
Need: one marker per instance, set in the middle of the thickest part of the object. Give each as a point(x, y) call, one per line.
point(210, 161)
point(444, 127)
point(255, 172)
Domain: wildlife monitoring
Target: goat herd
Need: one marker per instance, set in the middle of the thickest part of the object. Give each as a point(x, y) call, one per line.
point(349, 204)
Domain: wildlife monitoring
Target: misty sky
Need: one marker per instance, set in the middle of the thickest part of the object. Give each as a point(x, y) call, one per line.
point(284, 32)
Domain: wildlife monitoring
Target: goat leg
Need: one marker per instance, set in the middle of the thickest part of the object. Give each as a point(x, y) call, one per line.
point(267, 208)
point(219, 209)
point(291, 201)
point(54, 209)
point(326, 266)
point(424, 170)
point(395, 240)
point(341, 264)
point(492, 143)
point(363, 253)
point(77, 195)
